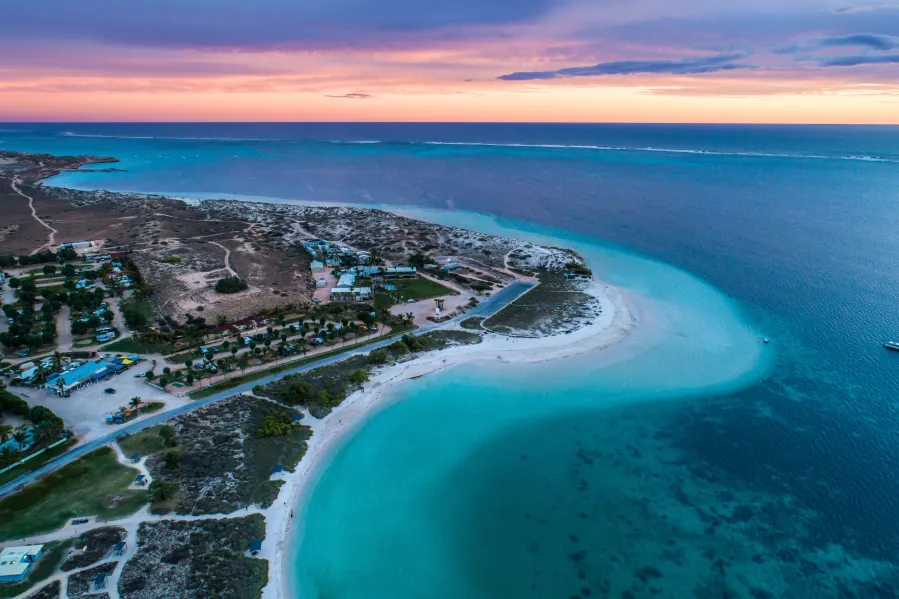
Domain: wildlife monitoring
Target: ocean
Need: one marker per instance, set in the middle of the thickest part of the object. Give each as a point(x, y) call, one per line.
point(696, 462)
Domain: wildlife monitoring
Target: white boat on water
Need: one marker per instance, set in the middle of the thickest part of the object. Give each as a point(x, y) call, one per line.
point(893, 345)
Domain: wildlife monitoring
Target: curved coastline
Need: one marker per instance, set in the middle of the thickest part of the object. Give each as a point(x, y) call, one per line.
point(330, 433)
point(350, 416)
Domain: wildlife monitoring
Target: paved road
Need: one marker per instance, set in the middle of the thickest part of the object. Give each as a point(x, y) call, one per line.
point(486, 308)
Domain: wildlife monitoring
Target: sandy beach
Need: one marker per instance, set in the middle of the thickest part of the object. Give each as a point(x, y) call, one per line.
point(284, 518)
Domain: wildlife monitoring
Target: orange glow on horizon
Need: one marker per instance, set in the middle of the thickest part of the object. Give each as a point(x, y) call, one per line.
point(535, 104)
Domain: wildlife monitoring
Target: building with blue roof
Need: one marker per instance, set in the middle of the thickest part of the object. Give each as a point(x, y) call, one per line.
point(90, 371)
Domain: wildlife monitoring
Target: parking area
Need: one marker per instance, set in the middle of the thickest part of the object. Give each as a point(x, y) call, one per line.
point(85, 410)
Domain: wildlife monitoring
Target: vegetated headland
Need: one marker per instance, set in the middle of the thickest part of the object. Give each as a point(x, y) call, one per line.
point(197, 360)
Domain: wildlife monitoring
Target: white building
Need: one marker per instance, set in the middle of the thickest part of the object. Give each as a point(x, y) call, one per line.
point(321, 283)
point(317, 266)
point(15, 561)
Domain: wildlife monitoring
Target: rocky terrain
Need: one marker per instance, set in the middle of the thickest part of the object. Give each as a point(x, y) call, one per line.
point(197, 559)
point(395, 237)
point(224, 464)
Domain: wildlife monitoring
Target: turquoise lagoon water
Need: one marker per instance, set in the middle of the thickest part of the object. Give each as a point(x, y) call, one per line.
point(679, 465)
point(535, 480)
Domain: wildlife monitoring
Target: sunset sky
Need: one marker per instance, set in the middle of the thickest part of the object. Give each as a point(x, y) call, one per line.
point(465, 60)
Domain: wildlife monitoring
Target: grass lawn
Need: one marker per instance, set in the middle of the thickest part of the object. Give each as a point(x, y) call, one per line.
point(414, 289)
point(145, 442)
point(472, 322)
point(95, 485)
point(37, 462)
point(132, 346)
point(144, 307)
point(153, 406)
point(42, 570)
point(254, 376)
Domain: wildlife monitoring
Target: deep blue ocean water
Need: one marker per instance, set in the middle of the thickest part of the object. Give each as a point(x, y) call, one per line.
point(618, 480)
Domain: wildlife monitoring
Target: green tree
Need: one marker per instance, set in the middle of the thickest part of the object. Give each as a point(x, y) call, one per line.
point(230, 285)
point(6, 454)
point(20, 436)
point(168, 435)
point(49, 269)
point(163, 381)
point(5, 433)
point(134, 402)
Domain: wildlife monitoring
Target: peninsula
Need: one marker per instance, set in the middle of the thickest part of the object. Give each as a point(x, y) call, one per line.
point(176, 371)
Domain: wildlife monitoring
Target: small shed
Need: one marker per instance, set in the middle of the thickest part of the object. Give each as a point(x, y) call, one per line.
point(100, 581)
point(135, 457)
point(141, 480)
point(278, 469)
point(255, 547)
point(119, 548)
point(297, 417)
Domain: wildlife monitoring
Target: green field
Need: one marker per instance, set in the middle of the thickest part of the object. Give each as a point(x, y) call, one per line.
point(95, 485)
point(144, 307)
point(414, 289)
point(145, 442)
point(132, 346)
point(35, 463)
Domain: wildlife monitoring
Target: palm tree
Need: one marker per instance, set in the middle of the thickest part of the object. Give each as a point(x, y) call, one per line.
point(134, 402)
point(44, 432)
point(5, 432)
point(6, 454)
point(20, 436)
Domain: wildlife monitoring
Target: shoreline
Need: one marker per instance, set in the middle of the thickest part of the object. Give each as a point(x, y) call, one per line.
point(284, 531)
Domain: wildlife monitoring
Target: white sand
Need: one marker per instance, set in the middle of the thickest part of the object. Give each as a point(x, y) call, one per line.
point(282, 530)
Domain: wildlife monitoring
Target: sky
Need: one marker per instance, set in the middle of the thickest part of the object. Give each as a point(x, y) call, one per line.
point(749, 61)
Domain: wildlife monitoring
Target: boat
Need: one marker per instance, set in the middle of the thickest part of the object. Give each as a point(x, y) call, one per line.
point(766, 340)
point(893, 345)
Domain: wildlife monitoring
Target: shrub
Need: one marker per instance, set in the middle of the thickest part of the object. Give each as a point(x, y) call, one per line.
point(172, 259)
point(277, 423)
point(230, 285)
point(167, 434)
point(160, 490)
point(358, 376)
point(377, 357)
point(172, 458)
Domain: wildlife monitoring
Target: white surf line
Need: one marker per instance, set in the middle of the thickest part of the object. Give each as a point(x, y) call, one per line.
point(52, 237)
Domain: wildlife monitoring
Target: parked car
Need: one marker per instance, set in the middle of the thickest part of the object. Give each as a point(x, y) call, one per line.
point(25, 352)
point(109, 390)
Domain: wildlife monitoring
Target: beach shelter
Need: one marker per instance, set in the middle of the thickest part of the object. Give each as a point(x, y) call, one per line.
point(278, 469)
point(255, 547)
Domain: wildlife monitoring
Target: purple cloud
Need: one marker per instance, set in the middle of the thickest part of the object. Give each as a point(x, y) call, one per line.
point(869, 40)
point(853, 61)
point(353, 96)
point(685, 66)
point(260, 25)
